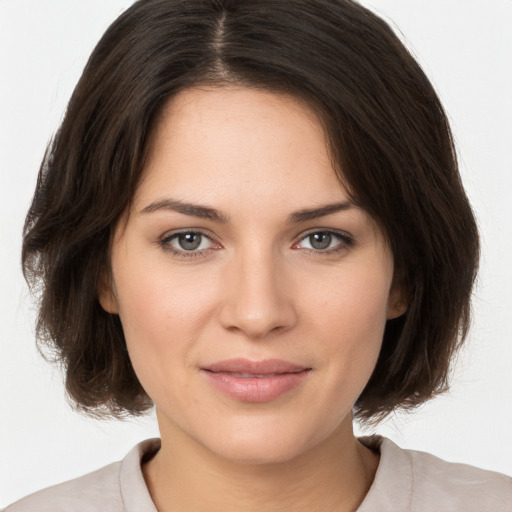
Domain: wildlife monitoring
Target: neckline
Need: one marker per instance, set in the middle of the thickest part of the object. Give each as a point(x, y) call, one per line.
point(394, 469)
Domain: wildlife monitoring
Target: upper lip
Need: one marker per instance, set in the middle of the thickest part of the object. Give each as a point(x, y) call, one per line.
point(266, 366)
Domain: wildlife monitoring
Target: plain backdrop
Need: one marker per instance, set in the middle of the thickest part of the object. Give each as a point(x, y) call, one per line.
point(465, 46)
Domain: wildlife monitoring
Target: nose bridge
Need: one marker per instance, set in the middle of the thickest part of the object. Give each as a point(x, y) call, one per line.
point(257, 299)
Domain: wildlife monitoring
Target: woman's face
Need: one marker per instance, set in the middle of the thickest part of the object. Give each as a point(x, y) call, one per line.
point(252, 293)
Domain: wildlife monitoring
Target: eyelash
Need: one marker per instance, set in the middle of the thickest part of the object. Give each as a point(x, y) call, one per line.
point(345, 242)
point(165, 243)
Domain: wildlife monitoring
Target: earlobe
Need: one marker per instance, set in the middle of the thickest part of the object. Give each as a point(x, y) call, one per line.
point(396, 310)
point(106, 294)
point(397, 305)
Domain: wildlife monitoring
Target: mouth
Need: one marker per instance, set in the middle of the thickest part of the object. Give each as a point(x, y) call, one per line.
point(253, 375)
point(255, 381)
point(248, 368)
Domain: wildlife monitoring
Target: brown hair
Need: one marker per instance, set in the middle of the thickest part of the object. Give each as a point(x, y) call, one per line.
point(387, 132)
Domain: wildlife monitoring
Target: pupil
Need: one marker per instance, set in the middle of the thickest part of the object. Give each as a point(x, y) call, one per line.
point(320, 240)
point(189, 241)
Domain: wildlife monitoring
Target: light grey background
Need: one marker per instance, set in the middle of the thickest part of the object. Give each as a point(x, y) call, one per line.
point(465, 46)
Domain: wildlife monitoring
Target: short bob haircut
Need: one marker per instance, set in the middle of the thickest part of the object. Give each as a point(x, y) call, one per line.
point(388, 136)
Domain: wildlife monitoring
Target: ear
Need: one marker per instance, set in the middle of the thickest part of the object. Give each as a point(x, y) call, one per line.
point(106, 295)
point(397, 303)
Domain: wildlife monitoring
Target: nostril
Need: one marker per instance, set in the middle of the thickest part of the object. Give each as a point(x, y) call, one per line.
point(257, 325)
point(256, 298)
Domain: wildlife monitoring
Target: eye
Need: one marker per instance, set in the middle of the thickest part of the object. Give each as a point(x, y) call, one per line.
point(324, 241)
point(188, 243)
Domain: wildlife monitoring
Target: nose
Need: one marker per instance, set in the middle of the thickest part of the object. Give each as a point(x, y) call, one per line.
point(257, 297)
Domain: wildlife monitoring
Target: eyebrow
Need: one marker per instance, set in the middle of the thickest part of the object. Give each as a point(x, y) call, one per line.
point(322, 211)
point(194, 210)
point(206, 212)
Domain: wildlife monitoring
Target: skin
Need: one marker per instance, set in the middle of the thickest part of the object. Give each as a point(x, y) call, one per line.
point(257, 288)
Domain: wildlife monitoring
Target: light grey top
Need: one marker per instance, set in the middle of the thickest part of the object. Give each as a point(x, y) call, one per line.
point(406, 481)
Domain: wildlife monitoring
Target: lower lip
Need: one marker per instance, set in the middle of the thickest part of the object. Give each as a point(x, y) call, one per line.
point(255, 389)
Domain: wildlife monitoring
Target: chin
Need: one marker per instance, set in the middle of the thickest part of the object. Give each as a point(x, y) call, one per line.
point(262, 444)
point(260, 453)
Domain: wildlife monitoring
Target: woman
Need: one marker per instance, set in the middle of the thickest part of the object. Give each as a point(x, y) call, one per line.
point(237, 213)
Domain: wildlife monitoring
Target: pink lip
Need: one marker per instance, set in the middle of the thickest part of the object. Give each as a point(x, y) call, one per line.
point(255, 381)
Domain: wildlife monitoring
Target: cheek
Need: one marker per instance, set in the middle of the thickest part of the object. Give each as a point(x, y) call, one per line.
point(353, 303)
point(161, 314)
point(152, 297)
point(351, 320)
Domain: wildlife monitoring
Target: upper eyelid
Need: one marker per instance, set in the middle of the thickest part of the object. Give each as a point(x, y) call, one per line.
point(208, 233)
point(338, 232)
point(343, 235)
point(170, 234)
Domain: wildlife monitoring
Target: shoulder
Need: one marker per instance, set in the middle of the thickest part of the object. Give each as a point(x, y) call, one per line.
point(418, 481)
point(109, 488)
point(432, 473)
point(88, 493)
point(459, 486)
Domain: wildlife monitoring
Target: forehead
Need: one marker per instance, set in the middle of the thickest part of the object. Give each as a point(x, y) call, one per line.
point(240, 140)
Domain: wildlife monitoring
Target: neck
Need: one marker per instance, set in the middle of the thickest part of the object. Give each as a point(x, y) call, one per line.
point(334, 475)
